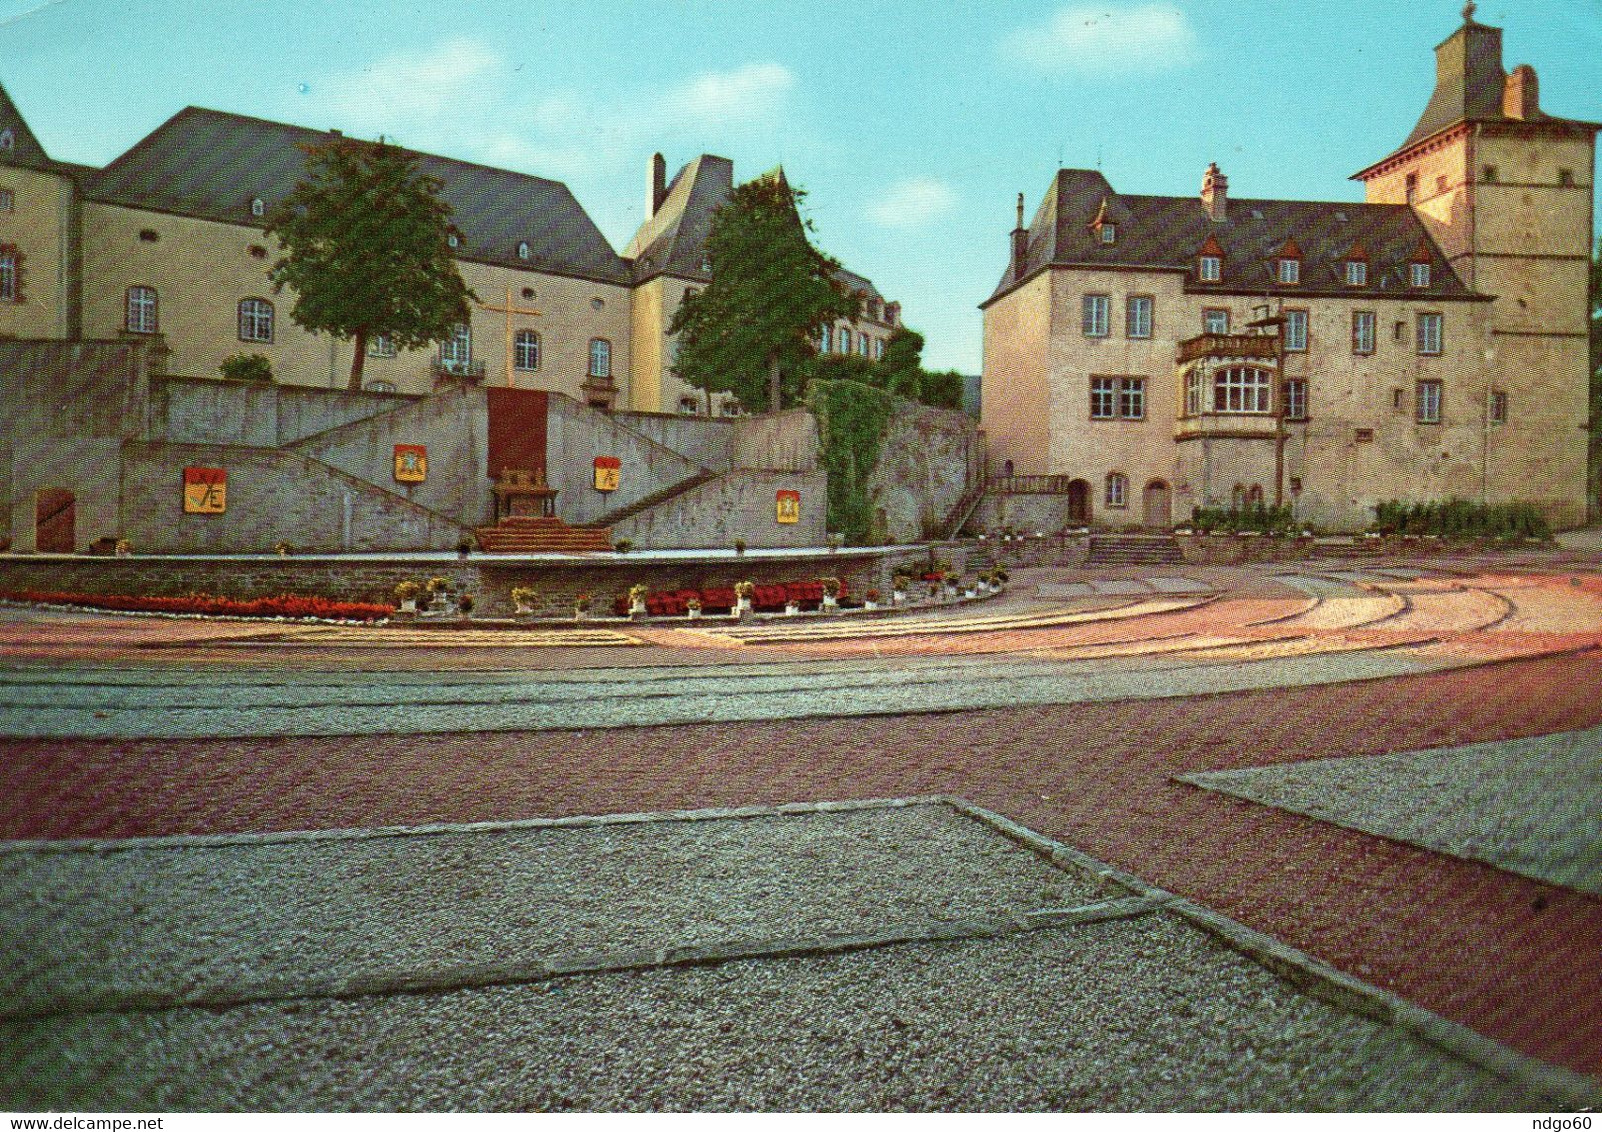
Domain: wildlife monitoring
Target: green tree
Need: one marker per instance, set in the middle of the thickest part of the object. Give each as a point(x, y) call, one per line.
point(903, 363)
point(367, 252)
point(750, 331)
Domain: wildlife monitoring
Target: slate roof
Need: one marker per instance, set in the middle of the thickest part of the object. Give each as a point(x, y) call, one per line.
point(25, 151)
point(211, 165)
point(671, 241)
point(1167, 234)
point(1469, 82)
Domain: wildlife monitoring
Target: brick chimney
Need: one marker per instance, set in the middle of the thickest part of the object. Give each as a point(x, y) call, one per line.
point(1215, 192)
point(1020, 242)
point(1521, 94)
point(655, 184)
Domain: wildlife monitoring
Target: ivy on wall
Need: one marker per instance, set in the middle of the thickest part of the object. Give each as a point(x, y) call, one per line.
point(852, 421)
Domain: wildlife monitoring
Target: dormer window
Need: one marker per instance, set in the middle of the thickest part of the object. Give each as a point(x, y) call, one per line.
point(8, 140)
point(258, 207)
point(1210, 268)
point(1109, 233)
point(1356, 273)
point(522, 250)
point(1418, 274)
point(1290, 271)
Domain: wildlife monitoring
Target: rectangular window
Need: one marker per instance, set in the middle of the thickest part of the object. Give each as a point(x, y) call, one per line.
point(1362, 332)
point(1097, 315)
point(1117, 490)
point(1427, 402)
point(600, 358)
point(1356, 273)
point(1137, 316)
point(1498, 406)
point(1242, 389)
point(141, 310)
point(1215, 321)
point(862, 344)
point(845, 340)
point(1429, 334)
point(1109, 233)
point(1210, 269)
point(1103, 398)
point(1132, 398)
point(1419, 274)
point(457, 350)
point(8, 278)
point(1195, 387)
point(255, 320)
point(878, 349)
point(1295, 399)
point(825, 338)
point(381, 346)
point(1295, 330)
point(1290, 271)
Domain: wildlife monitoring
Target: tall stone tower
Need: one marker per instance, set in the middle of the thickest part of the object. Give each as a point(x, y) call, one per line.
point(1506, 190)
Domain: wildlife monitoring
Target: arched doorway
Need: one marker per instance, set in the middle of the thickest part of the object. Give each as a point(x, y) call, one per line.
point(1079, 503)
point(1158, 502)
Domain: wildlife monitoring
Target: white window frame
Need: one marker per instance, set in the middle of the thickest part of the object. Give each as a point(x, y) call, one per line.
point(142, 312)
point(1428, 394)
point(1290, 271)
point(878, 349)
point(1195, 393)
point(1243, 389)
point(1109, 233)
point(1210, 315)
point(255, 320)
point(1096, 315)
point(381, 346)
point(526, 350)
point(1103, 398)
point(1132, 398)
point(843, 340)
point(1296, 398)
point(863, 345)
point(1117, 490)
point(456, 352)
point(1430, 334)
point(523, 250)
point(1138, 312)
point(1365, 325)
point(600, 358)
point(825, 339)
point(1418, 274)
point(1356, 273)
point(8, 277)
point(1210, 268)
point(1296, 321)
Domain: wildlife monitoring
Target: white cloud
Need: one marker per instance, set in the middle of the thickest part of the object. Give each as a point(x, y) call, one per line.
point(411, 93)
point(753, 91)
point(1099, 39)
point(912, 203)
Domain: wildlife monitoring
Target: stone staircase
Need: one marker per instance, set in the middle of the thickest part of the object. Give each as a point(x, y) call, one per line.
point(1134, 550)
point(542, 535)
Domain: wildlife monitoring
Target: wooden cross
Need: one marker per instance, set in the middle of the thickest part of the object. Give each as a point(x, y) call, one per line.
point(509, 310)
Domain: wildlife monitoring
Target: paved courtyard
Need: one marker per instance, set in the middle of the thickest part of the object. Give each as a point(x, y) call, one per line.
point(1388, 774)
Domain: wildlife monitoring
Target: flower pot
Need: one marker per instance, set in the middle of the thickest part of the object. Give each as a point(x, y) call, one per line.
point(899, 597)
point(524, 610)
point(830, 604)
point(791, 609)
point(693, 614)
point(742, 605)
point(870, 605)
point(409, 606)
point(636, 609)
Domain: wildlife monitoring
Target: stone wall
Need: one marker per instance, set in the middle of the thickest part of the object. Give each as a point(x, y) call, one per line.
point(782, 442)
point(1026, 512)
point(272, 496)
point(929, 459)
point(736, 505)
point(488, 578)
point(707, 441)
point(188, 410)
point(576, 434)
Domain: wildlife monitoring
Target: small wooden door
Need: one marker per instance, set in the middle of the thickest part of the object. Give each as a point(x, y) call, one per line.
point(1158, 505)
point(1079, 503)
point(54, 516)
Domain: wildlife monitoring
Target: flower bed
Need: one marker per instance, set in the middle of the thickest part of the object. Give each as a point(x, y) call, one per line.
point(764, 599)
point(284, 605)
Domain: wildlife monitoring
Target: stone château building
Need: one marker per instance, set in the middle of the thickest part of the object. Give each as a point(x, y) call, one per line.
point(1157, 354)
point(166, 245)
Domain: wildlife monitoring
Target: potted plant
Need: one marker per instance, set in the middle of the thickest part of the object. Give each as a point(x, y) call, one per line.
point(836, 541)
point(283, 549)
point(791, 607)
point(581, 605)
point(692, 609)
point(870, 600)
point(407, 593)
point(743, 592)
point(898, 588)
point(623, 545)
point(523, 598)
point(739, 546)
point(953, 581)
point(465, 604)
point(438, 592)
point(831, 595)
point(123, 548)
point(463, 548)
point(971, 589)
point(637, 595)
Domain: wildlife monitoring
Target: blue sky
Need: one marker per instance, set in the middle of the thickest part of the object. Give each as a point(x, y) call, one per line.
point(912, 125)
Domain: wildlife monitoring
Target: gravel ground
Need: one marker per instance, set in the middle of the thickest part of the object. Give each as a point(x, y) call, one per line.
point(1146, 1014)
point(1527, 805)
point(221, 921)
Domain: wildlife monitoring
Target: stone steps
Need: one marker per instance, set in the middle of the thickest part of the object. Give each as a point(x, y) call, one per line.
point(542, 535)
point(1134, 550)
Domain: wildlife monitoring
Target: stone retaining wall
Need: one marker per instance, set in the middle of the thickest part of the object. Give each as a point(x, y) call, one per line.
point(489, 579)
